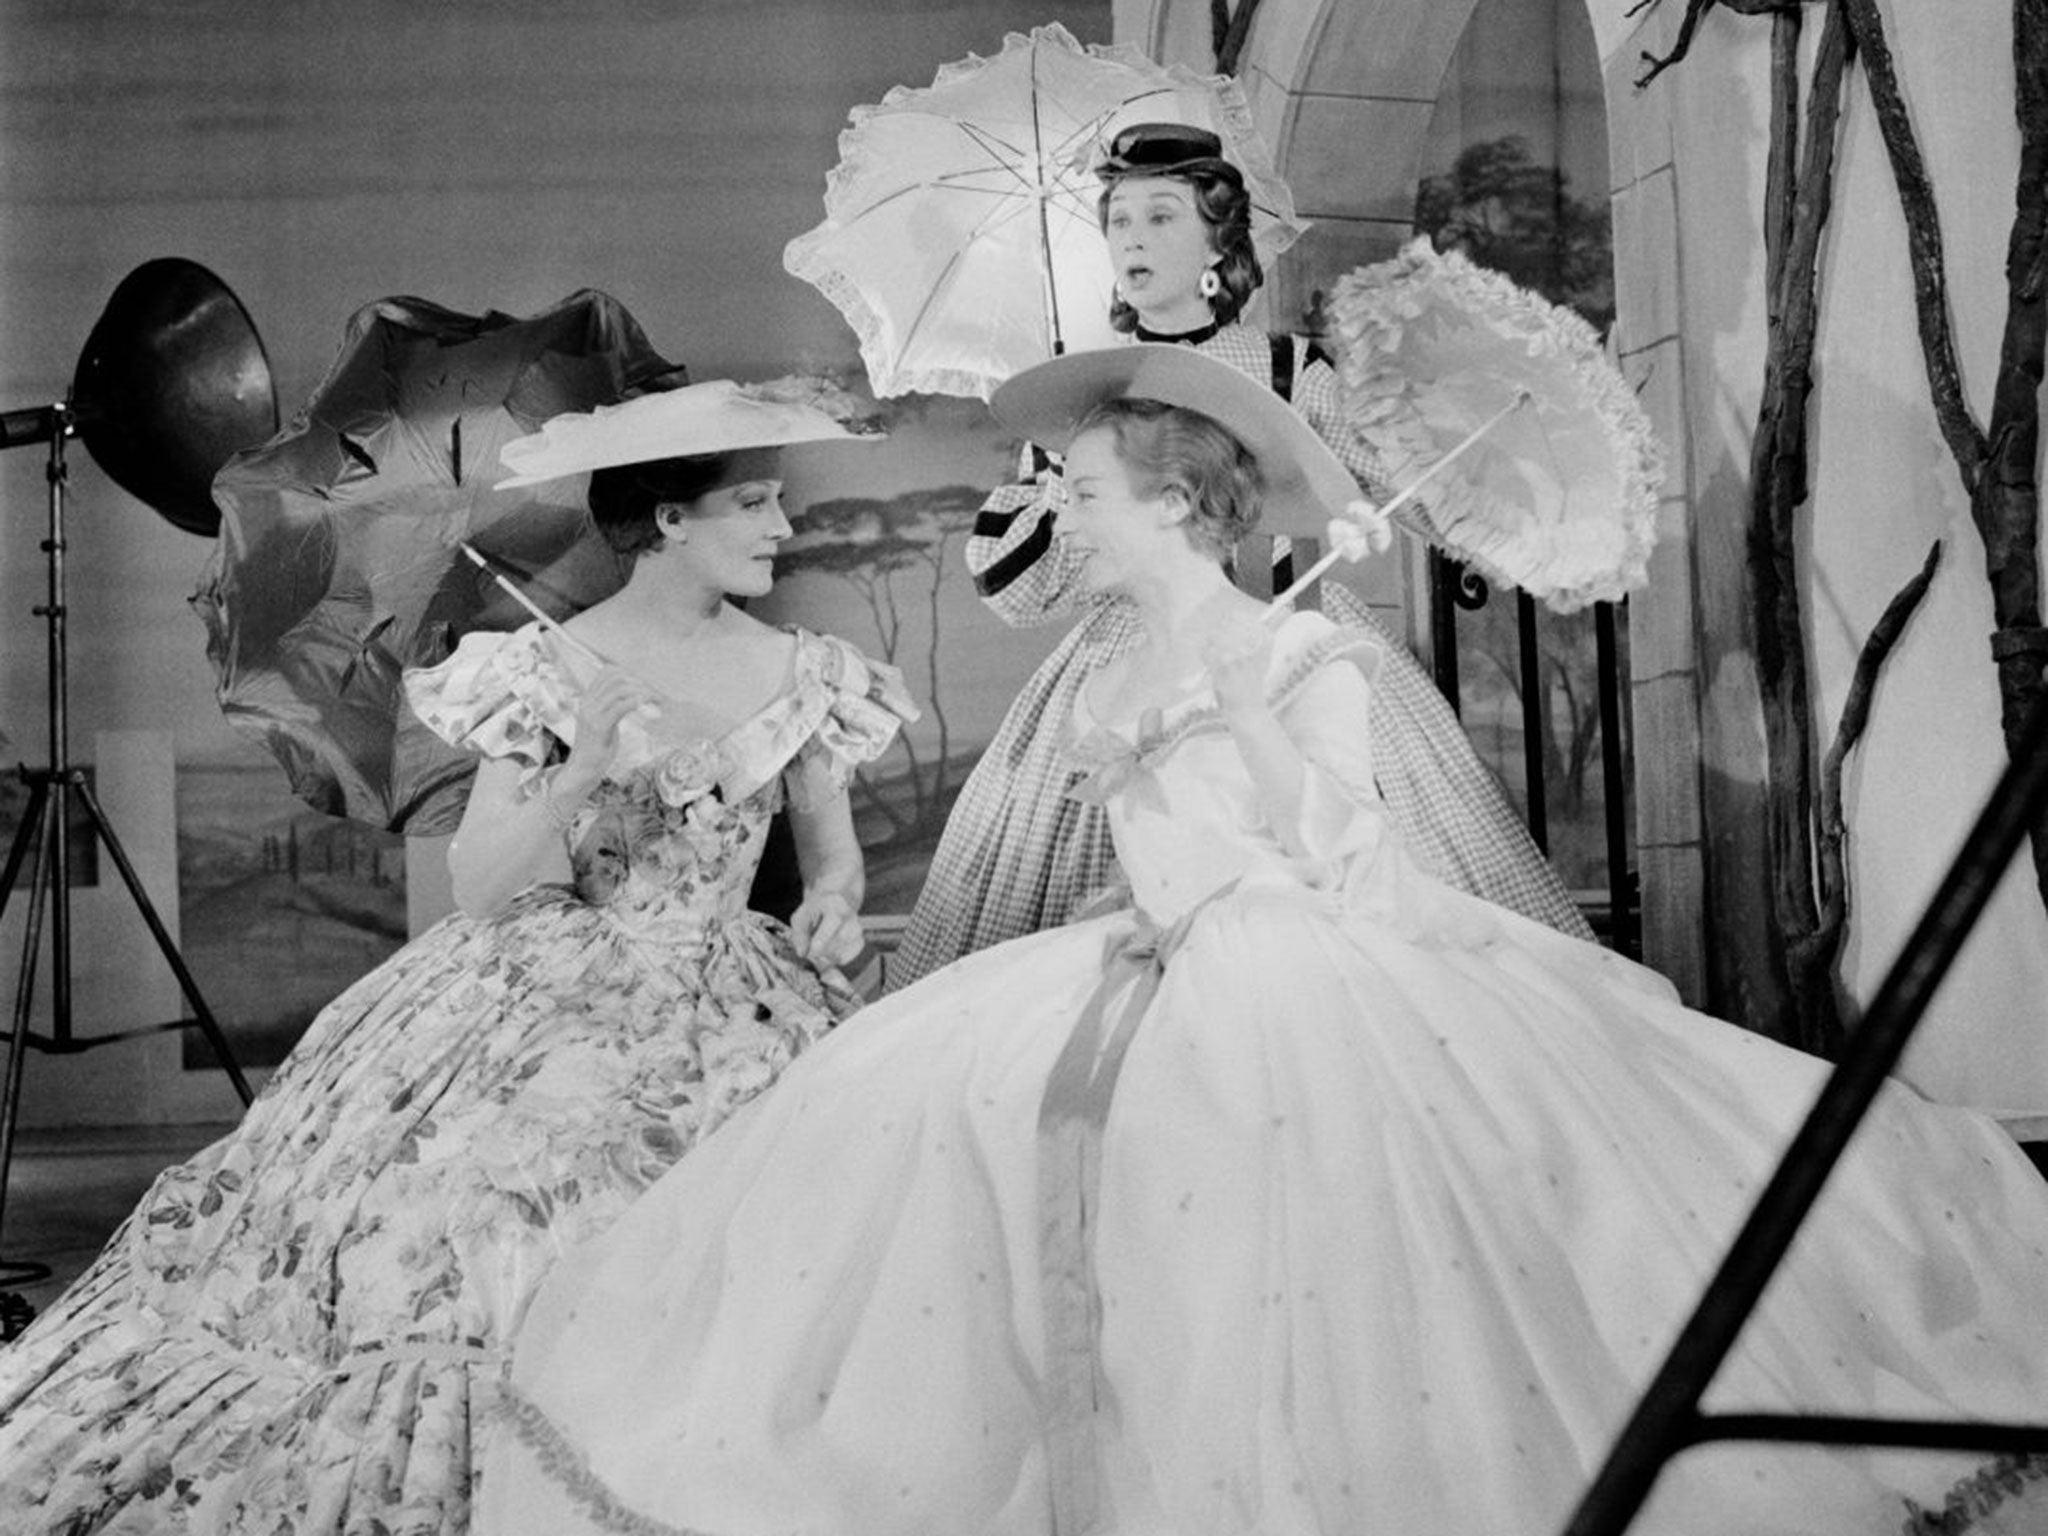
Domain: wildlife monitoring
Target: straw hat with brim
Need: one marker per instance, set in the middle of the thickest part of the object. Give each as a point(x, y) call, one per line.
point(1305, 484)
point(718, 416)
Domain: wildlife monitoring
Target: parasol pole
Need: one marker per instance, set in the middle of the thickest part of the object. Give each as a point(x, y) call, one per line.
point(1052, 287)
point(1309, 577)
point(547, 621)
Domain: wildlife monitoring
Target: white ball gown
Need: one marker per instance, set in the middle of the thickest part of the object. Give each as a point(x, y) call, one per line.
point(1396, 1204)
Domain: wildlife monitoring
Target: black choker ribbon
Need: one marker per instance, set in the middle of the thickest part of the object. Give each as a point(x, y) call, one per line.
point(1192, 338)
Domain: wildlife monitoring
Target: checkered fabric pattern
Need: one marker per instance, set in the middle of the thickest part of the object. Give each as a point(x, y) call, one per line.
point(1017, 855)
point(1453, 817)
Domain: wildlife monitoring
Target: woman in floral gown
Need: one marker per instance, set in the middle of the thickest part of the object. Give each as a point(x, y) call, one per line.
point(1018, 854)
point(299, 1330)
point(1307, 1197)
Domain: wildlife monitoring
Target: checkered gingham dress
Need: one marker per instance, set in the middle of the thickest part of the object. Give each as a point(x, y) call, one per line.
point(1018, 855)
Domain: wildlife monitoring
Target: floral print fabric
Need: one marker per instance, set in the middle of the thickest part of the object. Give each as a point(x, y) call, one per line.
point(300, 1330)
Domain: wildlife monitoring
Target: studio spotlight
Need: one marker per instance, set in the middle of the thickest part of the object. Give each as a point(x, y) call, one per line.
point(171, 382)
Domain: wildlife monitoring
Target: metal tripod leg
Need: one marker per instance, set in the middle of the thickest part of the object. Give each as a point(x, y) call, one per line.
point(201, 1014)
point(42, 823)
point(32, 830)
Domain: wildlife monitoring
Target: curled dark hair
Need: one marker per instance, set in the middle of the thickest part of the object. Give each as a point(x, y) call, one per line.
point(1226, 208)
point(625, 497)
point(1164, 447)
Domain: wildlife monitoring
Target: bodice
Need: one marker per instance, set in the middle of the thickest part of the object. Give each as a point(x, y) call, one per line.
point(664, 853)
point(667, 845)
point(1185, 816)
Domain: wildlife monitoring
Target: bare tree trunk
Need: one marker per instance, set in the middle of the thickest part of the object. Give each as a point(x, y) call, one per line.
point(1998, 467)
point(2006, 505)
point(1778, 492)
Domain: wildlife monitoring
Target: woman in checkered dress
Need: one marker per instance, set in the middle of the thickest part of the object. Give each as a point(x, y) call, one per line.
point(1017, 854)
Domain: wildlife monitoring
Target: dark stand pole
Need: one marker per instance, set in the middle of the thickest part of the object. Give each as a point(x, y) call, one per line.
point(45, 828)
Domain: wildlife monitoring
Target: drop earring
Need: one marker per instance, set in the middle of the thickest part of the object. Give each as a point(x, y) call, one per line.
point(1208, 285)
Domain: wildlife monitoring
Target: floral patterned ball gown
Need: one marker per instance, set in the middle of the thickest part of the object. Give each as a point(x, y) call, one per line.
point(1309, 1197)
point(300, 1330)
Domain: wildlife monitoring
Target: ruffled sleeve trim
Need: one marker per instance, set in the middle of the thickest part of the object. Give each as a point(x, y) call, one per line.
point(500, 695)
point(842, 710)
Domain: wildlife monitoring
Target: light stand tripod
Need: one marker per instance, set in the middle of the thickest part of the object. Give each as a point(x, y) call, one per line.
point(143, 346)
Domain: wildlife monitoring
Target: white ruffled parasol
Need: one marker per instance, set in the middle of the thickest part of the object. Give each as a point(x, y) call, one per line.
point(1557, 493)
point(961, 241)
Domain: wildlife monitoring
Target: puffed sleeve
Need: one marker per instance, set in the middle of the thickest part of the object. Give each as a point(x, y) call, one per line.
point(1324, 700)
point(499, 695)
point(1020, 570)
point(841, 710)
point(857, 706)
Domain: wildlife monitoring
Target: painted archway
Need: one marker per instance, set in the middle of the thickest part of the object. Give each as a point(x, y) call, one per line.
point(1324, 76)
point(1686, 175)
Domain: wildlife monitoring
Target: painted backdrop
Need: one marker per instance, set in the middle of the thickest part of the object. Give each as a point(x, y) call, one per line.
point(482, 155)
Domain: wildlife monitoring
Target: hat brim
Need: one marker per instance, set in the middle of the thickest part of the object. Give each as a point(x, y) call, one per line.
point(718, 416)
point(1305, 484)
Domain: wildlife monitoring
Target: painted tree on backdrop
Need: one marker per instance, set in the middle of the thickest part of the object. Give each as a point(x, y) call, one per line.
point(895, 552)
point(1996, 463)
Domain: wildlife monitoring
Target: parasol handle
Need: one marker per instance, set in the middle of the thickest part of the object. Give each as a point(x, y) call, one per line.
point(534, 608)
point(1278, 607)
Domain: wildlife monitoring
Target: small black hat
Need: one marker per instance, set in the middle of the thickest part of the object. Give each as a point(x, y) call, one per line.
point(1162, 149)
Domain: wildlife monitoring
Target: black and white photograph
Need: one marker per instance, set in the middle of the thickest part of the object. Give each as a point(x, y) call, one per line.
point(953, 768)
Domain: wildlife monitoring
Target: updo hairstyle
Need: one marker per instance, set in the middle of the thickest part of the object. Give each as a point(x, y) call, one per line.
point(624, 498)
point(1163, 447)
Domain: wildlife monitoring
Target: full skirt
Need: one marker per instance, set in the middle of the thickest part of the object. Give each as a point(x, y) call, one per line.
point(303, 1328)
point(1399, 1210)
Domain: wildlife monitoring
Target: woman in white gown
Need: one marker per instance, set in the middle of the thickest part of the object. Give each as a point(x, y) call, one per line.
point(1308, 1196)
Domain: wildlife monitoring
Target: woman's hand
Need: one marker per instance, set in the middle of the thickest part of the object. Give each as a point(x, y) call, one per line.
point(1363, 530)
point(1238, 651)
point(609, 698)
point(826, 929)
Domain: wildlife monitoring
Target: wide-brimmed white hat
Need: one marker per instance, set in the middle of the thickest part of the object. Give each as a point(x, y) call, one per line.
point(1305, 483)
point(718, 416)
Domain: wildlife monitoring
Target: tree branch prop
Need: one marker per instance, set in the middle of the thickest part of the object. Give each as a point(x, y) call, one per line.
point(1680, 47)
point(1227, 32)
point(1923, 239)
point(1997, 467)
point(2006, 502)
point(1831, 865)
point(1694, 11)
point(1778, 492)
point(1781, 173)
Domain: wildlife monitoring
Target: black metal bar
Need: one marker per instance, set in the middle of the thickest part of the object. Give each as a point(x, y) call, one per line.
point(59, 842)
point(15, 1271)
point(1530, 660)
point(1443, 628)
point(1847, 1429)
point(1621, 921)
point(25, 831)
point(1668, 1412)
